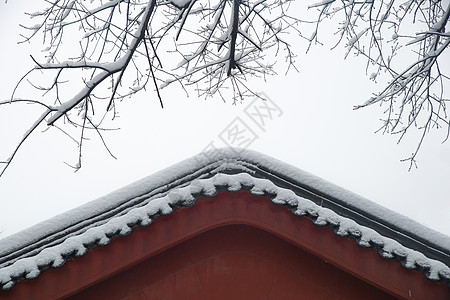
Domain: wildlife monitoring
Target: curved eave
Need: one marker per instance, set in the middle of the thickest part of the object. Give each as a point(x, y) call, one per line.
point(223, 209)
point(83, 221)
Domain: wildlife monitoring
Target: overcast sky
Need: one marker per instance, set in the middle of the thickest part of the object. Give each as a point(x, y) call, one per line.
point(316, 131)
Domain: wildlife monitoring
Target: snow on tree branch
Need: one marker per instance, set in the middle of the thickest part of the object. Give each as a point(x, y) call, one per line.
point(405, 40)
point(218, 44)
point(97, 52)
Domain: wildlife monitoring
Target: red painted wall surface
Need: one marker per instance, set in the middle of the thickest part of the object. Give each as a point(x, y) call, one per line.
point(233, 262)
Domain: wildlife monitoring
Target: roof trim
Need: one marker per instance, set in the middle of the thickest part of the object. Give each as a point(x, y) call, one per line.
point(223, 209)
point(204, 175)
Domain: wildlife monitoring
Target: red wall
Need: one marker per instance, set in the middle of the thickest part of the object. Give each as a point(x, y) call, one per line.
point(233, 262)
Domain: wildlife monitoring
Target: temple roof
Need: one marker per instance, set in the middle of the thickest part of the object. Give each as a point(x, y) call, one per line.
point(53, 242)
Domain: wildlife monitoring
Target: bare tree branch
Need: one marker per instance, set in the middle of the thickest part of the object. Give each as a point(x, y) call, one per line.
point(107, 51)
point(382, 32)
point(8, 161)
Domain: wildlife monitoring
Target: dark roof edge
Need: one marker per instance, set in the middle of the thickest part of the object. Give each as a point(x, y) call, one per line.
point(237, 160)
point(387, 222)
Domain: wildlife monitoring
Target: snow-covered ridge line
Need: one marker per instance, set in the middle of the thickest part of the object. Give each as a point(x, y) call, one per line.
point(56, 256)
point(30, 240)
point(210, 163)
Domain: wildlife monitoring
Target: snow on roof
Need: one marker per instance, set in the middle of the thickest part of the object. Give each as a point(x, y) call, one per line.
point(52, 242)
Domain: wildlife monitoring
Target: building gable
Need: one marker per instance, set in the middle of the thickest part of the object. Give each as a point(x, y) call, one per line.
point(126, 228)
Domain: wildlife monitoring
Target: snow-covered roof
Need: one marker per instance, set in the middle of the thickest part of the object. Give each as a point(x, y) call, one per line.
point(51, 243)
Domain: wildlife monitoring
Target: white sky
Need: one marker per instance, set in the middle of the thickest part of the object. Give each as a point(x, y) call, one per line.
point(317, 132)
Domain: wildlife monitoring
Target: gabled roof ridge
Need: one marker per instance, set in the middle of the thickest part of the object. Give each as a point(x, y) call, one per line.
point(351, 205)
point(322, 189)
point(187, 195)
point(64, 225)
point(229, 161)
point(225, 160)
